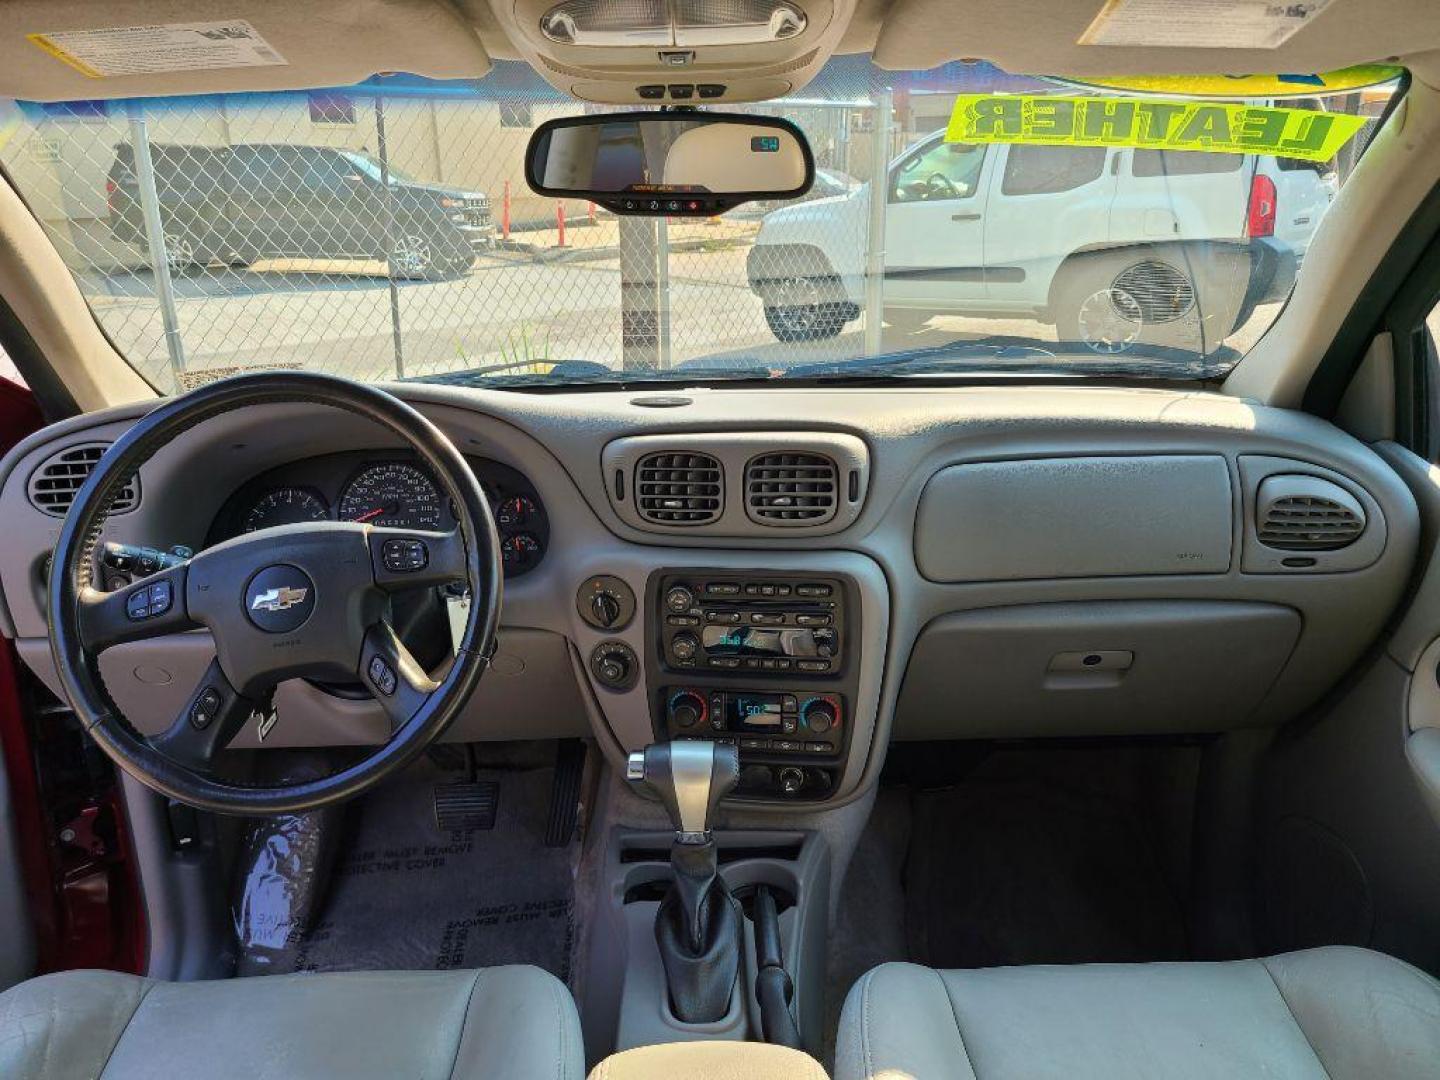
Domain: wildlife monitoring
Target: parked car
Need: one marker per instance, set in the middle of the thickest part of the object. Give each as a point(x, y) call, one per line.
point(828, 183)
point(238, 204)
point(1084, 237)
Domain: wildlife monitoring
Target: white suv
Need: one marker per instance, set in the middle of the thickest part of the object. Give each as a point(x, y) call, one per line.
point(1161, 243)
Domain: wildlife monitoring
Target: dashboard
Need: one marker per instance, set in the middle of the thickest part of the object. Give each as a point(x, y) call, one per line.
point(388, 489)
point(918, 563)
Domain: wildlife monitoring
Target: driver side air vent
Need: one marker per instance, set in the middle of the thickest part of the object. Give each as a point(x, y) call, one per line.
point(791, 489)
point(54, 484)
point(1306, 513)
point(679, 488)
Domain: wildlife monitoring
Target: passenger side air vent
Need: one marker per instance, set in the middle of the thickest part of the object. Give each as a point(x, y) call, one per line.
point(679, 488)
point(1306, 513)
point(54, 484)
point(795, 488)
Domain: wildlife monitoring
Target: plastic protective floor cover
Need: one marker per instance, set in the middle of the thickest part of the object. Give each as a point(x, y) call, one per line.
point(403, 895)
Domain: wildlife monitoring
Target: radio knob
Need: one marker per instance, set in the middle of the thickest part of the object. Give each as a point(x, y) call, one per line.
point(605, 608)
point(819, 715)
point(687, 709)
point(679, 599)
point(684, 646)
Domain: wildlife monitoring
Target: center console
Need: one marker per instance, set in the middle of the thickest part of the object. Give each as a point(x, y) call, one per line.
point(766, 662)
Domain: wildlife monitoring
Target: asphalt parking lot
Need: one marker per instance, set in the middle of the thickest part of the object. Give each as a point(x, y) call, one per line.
point(512, 307)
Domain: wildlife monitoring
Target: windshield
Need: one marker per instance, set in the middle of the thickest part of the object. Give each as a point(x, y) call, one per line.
point(962, 220)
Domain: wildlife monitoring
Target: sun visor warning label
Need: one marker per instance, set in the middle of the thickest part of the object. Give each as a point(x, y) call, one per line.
point(145, 50)
point(1200, 24)
point(1150, 123)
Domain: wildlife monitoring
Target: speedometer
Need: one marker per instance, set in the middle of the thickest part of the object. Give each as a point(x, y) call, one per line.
point(393, 494)
point(285, 506)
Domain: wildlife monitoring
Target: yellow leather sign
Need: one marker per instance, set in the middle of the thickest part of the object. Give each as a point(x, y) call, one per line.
point(1151, 123)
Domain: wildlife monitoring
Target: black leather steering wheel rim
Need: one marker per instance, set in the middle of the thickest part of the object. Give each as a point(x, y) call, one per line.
point(76, 609)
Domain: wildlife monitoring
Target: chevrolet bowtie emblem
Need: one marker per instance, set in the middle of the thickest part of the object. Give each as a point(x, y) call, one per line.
point(279, 599)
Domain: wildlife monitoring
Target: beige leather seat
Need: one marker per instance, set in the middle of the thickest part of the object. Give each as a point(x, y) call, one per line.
point(1340, 1013)
point(508, 1022)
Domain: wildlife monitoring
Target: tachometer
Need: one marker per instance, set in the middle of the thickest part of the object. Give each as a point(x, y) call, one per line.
point(285, 506)
point(393, 494)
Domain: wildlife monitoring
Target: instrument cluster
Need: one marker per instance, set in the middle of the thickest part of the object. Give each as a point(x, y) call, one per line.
point(393, 490)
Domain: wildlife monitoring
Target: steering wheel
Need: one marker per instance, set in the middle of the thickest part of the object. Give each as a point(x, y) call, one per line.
point(294, 601)
point(942, 185)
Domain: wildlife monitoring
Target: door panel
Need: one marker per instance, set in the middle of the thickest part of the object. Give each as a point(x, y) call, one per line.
point(934, 225)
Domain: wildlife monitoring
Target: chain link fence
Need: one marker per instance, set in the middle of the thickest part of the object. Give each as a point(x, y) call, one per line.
point(386, 231)
point(381, 233)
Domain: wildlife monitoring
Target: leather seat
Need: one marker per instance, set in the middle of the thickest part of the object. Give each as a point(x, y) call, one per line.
point(1341, 1013)
point(507, 1022)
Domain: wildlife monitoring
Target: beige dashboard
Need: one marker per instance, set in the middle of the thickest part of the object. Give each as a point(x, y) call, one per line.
point(1025, 561)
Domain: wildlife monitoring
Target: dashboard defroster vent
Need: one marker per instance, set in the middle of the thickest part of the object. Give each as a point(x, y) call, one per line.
point(795, 488)
point(53, 485)
point(680, 488)
point(1306, 513)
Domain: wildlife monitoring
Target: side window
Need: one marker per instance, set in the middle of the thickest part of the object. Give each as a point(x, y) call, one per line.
point(1182, 163)
point(942, 171)
point(323, 171)
point(1049, 170)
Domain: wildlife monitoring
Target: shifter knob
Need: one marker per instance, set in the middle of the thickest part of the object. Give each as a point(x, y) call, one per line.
point(690, 778)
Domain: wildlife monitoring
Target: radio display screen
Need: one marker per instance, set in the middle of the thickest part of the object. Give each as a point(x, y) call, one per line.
point(753, 641)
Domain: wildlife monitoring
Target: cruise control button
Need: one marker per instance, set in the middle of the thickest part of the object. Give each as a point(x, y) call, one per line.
point(137, 604)
point(381, 675)
point(160, 597)
point(205, 709)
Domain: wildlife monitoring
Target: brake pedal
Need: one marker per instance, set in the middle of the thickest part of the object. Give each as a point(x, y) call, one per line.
point(466, 805)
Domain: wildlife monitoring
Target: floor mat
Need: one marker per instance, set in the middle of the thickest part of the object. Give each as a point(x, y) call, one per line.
point(1019, 871)
point(405, 895)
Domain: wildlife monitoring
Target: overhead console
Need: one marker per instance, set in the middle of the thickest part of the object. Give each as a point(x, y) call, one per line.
point(679, 51)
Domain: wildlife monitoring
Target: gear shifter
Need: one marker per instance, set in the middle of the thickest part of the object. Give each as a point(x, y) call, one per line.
point(698, 925)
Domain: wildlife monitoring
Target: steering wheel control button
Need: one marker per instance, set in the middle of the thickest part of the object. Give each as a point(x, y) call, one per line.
point(404, 556)
point(382, 676)
point(161, 597)
point(137, 604)
point(279, 599)
point(205, 709)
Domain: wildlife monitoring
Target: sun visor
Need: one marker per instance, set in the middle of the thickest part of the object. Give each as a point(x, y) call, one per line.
point(69, 50)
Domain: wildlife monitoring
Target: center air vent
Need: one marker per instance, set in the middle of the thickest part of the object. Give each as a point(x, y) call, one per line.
point(1306, 513)
point(791, 489)
point(54, 484)
point(679, 488)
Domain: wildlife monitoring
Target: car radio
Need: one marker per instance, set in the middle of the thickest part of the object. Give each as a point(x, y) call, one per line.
point(762, 660)
point(787, 625)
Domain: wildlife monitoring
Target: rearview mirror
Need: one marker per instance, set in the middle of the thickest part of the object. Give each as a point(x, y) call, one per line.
point(667, 163)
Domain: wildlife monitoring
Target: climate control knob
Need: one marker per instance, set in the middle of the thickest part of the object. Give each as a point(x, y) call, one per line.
point(684, 646)
point(819, 715)
point(687, 709)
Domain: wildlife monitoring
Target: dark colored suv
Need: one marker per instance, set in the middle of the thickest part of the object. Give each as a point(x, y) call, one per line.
point(239, 204)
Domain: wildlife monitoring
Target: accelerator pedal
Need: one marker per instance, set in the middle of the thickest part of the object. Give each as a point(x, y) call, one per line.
point(565, 793)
